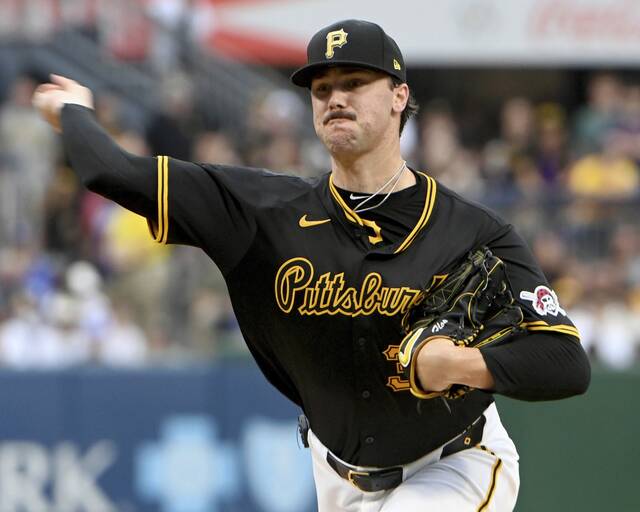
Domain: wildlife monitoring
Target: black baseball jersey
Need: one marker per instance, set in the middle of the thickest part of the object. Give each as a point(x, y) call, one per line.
point(319, 290)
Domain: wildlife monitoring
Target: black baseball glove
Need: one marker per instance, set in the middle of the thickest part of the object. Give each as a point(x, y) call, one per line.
point(473, 305)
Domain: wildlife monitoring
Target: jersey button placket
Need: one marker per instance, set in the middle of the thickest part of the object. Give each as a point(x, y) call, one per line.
point(365, 348)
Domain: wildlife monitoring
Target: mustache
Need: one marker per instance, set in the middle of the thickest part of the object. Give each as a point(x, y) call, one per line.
point(338, 114)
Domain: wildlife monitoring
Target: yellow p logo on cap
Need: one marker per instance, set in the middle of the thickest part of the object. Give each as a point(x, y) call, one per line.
point(335, 39)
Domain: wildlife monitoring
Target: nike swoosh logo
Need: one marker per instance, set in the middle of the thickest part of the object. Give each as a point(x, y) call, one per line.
point(405, 352)
point(304, 223)
point(357, 198)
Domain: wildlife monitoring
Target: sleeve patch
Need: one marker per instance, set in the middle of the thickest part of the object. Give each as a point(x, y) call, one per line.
point(544, 300)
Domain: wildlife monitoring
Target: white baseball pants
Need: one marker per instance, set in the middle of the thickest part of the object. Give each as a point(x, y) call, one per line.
point(484, 478)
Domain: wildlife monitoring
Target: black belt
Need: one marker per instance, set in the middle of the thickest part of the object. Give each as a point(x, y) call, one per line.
point(389, 478)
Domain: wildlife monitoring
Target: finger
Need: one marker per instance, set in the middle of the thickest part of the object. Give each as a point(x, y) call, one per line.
point(48, 87)
point(38, 100)
point(62, 81)
point(42, 99)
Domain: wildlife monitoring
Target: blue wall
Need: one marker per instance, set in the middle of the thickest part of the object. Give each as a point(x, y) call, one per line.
point(196, 440)
point(222, 440)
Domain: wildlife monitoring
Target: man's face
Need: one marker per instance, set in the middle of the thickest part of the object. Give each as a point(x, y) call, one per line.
point(354, 108)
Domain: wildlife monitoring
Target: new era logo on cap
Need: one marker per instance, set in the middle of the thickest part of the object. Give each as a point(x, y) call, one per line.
point(353, 43)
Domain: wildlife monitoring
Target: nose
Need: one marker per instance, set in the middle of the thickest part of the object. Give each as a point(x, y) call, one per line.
point(338, 99)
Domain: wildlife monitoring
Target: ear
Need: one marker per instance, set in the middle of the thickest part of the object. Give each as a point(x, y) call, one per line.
point(400, 97)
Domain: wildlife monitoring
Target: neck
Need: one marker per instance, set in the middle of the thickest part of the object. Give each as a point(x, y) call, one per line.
point(367, 172)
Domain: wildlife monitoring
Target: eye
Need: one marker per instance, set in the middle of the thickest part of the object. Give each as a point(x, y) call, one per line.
point(320, 90)
point(353, 83)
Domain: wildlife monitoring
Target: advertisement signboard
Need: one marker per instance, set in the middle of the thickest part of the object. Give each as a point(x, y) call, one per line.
point(208, 440)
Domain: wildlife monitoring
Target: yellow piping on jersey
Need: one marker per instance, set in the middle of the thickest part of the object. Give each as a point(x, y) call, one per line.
point(430, 199)
point(355, 218)
point(541, 325)
point(349, 213)
point(160, 231)
point(165, 199)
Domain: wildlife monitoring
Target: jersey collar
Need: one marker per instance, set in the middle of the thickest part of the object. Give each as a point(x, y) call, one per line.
point(429, 202)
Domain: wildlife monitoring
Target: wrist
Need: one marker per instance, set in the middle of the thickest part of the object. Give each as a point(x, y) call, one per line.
point(457, 359)
point(467, 366)
point(441, 364)
point(453, 364)
point(434, 362)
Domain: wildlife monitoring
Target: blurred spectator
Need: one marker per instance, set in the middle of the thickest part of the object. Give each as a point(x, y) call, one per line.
point(517, 125)
point(613, 341)
point(28, 149)
point(517, 129)
point(279, 152)
point(116, 116)
point(527, 180)
point(609, 174)
point(215, 147)
point(628, 125)
point(130, 254)
point(139, 264)
point(25, 340)
point(444, 157)
point(62, 234)
point(552, 255)
point(593, 121)
point(624, 254)
point(52, 340)
point(552, 155)
point(274, 132)
point(277, 112)
point(82, 282)
point(172, 39)
point(124, 343)
point(172, 130)
point(72, 344)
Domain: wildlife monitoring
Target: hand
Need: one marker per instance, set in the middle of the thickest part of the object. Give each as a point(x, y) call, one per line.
point(441, 364)
point(434, 363)
point(49, 98)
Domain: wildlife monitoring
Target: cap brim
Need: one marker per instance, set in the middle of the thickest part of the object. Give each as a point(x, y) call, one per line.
point(302, 77)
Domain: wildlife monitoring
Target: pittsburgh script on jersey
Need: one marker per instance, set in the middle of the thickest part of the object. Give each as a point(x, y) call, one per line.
point(329, 294)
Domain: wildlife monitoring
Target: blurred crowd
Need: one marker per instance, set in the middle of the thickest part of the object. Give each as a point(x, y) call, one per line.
point(82, 282)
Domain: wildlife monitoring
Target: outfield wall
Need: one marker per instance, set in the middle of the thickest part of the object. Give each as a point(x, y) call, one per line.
point(220, 439)
point(580, 454)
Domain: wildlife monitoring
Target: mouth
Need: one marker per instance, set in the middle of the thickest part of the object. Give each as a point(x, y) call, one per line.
point(339, 116)
point(337, 120)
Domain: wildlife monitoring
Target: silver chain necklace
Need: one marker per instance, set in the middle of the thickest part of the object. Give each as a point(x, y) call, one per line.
point(394, 179)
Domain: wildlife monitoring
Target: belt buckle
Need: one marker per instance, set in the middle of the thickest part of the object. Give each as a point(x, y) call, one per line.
point(352, 473)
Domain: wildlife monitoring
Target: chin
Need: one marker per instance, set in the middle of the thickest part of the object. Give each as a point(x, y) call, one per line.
point(341, 148)
point(340, 142)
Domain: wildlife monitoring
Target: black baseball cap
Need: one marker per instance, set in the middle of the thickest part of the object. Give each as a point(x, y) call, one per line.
point(354, 43)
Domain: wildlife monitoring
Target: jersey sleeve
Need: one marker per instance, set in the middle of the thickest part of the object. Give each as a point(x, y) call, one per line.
point(104, 167)
point(204, 206)
point(207, 206)
point(215, 207)
point(539, 302)
point(547, 362)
